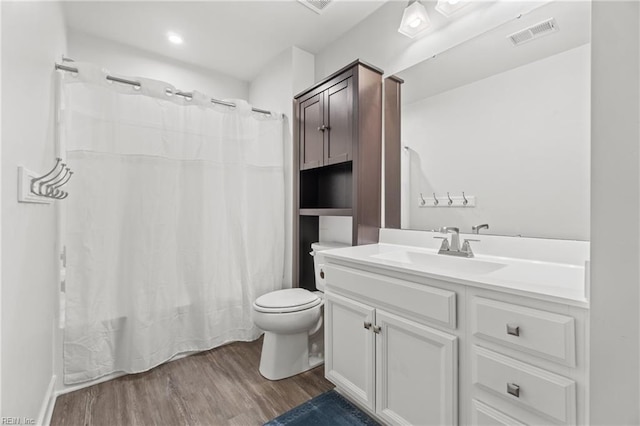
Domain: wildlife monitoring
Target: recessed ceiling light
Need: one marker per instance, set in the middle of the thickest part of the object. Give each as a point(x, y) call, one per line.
point(174, 38)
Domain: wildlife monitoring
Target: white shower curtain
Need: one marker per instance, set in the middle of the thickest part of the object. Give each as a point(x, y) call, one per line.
point(174, 222)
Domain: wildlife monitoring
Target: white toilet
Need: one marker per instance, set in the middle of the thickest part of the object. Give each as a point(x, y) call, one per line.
point(292, 324)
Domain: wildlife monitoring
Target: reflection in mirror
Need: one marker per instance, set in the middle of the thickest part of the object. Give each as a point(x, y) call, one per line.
point(508, 125)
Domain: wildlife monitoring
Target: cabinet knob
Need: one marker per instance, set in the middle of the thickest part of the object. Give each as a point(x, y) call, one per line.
point(367, 325)
point(321, 274)
point(377, 329)
point(323, 128)
point(513, 389)
point(513, 330)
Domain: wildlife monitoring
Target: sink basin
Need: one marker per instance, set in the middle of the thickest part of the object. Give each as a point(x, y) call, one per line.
point(441, 262)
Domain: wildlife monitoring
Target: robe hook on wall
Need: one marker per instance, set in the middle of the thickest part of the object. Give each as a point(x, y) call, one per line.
point(44, 188)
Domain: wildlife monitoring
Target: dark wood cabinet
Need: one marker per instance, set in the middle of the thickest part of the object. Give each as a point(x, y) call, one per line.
point(311, 134)
point(338, 135)
point(392, 151)
point(338, 160)
point(326, 125)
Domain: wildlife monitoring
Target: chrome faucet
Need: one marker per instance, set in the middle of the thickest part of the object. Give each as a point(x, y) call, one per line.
point(455, 237)
point(476, 228)
point(453, 248)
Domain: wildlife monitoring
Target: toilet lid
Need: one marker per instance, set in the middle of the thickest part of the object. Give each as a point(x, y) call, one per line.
point(289, 300)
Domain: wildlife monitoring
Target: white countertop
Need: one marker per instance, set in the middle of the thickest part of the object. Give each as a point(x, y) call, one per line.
point(558, 280)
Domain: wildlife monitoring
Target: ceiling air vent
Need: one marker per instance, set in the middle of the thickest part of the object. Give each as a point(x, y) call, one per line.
point(318, 6)
point(535, 31)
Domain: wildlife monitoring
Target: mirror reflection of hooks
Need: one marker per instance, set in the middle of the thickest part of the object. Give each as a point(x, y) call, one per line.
point(465, 201)
point(435, 200)
point(422, 200)
point(450, 200)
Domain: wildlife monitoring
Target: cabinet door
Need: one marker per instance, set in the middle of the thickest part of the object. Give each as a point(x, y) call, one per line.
point(312, 132)
point(416, 373)
point(339, 119)
point(350, 347)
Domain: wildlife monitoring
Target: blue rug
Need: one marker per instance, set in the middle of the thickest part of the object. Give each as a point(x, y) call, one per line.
point(328, 409)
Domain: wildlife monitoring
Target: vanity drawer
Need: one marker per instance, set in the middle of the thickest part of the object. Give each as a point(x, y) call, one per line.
point(419, 301)
point(485, 415)
point(531, 387)
point(540, 333)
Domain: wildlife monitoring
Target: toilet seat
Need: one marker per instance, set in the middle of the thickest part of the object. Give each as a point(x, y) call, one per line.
point(288, 300)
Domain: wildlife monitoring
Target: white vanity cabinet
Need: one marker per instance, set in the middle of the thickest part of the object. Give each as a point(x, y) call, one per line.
point(391, 362)
point(350, 347)
point(528, 361)
point(414, 349)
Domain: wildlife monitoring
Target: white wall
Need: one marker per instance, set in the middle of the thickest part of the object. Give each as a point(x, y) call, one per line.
point(33, 37)
point(335, 229)
point(274, 88)
point(130, 61)
point(615, 214)
point(484, 139)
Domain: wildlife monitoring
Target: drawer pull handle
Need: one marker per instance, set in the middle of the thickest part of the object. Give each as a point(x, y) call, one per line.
point(367, 325)
point(377, 329)
point(513, 389)
point(513, 330)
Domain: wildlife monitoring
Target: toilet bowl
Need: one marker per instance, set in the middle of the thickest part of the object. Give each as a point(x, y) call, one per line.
point(292, 323)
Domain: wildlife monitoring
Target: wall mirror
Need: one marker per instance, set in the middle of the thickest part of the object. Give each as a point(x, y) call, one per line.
point(506, 120)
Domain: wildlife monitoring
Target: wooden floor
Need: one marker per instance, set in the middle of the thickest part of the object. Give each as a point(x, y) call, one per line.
point(218, 387)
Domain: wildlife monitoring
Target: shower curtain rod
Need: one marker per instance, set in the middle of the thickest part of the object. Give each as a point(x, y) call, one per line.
point(138, 84)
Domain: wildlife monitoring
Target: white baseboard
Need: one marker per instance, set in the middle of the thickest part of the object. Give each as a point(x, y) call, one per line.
point(49, 401)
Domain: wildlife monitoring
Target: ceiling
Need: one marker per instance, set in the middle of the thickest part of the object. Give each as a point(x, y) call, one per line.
point(233, 37)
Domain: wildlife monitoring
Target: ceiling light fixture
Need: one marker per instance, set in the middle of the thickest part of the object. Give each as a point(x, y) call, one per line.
point(414, 20)
point(450, 7)
point(174, 38)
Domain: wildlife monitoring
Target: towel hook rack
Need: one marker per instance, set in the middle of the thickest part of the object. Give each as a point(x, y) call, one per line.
point(36, 189)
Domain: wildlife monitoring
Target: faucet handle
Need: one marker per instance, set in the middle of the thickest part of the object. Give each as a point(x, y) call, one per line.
point(466, 247)
point(445, 243)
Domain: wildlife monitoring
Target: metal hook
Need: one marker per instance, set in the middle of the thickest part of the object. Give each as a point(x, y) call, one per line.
point(422, 200)
point(61, 182)
point(59, 195)
point(54, 193)
point(53, 182)
point(46, 175)
point(465, 202)
point(435, 200)
point(450, 200)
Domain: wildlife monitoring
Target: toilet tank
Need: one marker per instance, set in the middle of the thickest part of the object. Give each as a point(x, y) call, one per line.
point(318, 259)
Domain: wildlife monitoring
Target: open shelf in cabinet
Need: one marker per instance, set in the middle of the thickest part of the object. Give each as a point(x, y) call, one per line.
point(329, 187)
